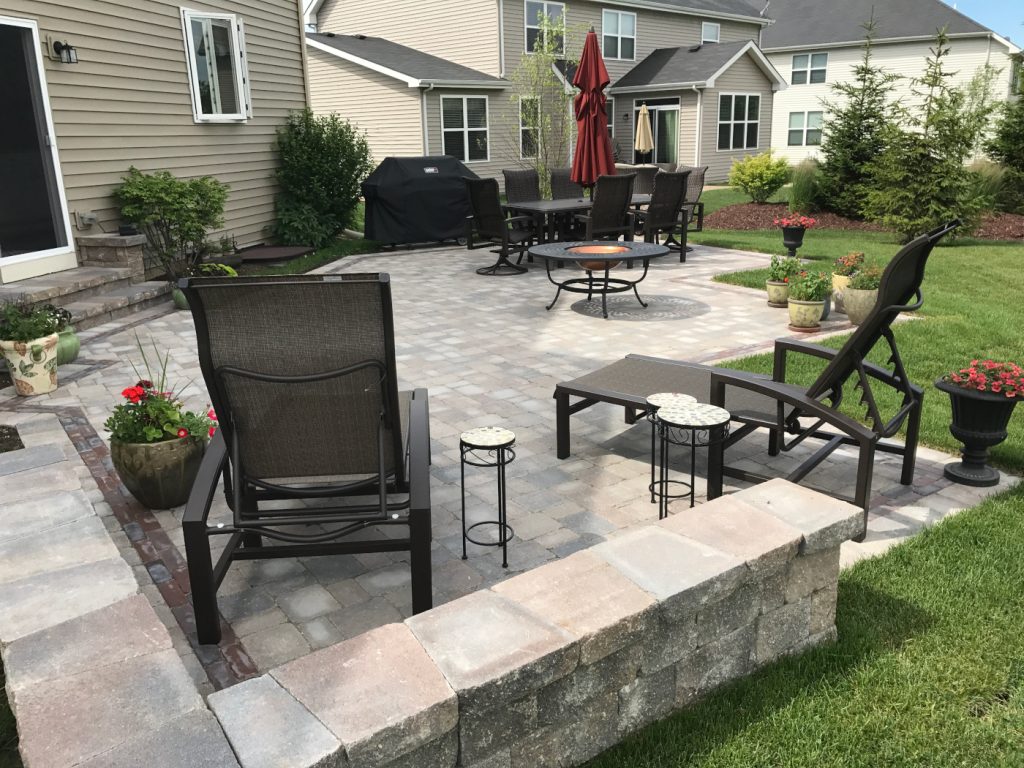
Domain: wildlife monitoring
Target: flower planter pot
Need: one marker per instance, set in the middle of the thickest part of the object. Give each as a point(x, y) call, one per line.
point(828, 307)
point(68, 346)
point(778, 293)
point(33, 364)
point(160, 475)
point(804, 315)
point(178, 297)
point(793, 238)
point(979, 422)
point(839, 284)
point(859, 303)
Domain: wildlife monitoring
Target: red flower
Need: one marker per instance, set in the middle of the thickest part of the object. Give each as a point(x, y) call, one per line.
point(211, 414)
point(135, 394)
point(145, 384)
point(182, 432)
point(212, 430)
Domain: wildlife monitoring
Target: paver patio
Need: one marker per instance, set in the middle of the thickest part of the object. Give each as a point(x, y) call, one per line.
point(488, 353)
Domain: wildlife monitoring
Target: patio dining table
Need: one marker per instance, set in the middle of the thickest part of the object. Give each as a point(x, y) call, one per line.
point(546, 212)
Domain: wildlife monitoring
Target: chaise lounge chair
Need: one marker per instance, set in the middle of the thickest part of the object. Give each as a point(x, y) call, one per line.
point(301, 372)
point(785, 409)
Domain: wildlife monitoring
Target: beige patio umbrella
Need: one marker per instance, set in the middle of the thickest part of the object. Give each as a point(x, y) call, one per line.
point(644, 138)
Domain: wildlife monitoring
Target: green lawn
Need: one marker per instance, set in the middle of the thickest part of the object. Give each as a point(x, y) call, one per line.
point(714, 199)
point(928, 670)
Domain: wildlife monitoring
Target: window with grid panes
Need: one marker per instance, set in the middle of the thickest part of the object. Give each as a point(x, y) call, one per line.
point(739, 119)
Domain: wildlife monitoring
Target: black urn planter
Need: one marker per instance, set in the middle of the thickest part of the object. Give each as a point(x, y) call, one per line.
point(979, 422)
point(793, 238)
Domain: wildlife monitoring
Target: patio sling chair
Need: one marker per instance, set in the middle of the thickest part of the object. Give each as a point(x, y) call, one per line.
point(662, 215)
point(782, 408)
point(495, 228)
point(316, 445)
point(563, 187)
point(610, 216)
point(692, 211)
point(522, 186)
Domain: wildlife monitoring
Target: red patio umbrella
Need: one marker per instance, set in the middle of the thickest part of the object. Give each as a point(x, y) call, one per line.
point(593, 155)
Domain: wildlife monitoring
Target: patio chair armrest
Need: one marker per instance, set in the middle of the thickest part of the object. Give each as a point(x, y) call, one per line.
point(520, 219)
point(721, 378)
point(582, 218)
point(699, 209)
point(783, 346)
point(419, 452)
point(197, 508)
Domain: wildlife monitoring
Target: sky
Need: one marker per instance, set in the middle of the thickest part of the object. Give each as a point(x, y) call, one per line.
point(1005, 17)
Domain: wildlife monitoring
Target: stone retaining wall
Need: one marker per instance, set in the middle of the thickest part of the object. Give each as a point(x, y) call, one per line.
point(555, 665)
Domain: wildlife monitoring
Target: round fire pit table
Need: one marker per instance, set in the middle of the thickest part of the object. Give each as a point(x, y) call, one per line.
point(596, 259)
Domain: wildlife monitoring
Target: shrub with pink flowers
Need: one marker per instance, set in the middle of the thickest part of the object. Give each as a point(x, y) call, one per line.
point(795, 220)
point(1005, 379)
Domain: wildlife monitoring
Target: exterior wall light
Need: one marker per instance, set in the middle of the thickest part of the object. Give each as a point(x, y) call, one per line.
point(66, 52)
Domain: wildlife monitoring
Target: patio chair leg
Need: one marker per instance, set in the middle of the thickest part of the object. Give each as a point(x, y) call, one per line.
point(200, 576)
point(910, 446)
point(419, 561)
point(862, 497)
point(562, 425)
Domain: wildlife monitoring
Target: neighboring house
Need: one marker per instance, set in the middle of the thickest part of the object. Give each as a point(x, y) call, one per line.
point(94, 86)
point(724, 85)
point(814, 50)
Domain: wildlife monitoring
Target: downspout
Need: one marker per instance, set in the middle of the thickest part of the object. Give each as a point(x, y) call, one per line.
point(700, 125)
point(501, 38)
point(423, 118)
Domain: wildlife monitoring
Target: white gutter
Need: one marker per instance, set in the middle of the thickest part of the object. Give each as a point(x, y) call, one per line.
point(423, 119)
point(884, 41)
point(703, 13)
point(658, 87)
point(700, 126)
point(501, 38)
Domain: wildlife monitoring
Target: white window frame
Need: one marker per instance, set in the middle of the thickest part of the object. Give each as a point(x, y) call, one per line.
point(465, 129)
point(704, 26)
point(40, 73)
point(804, 128)
point(522, 128)
point(733, 121)
point(610, 111)
point(241, 67)
point(619, 36)
point(809, 69)
point(527, 26)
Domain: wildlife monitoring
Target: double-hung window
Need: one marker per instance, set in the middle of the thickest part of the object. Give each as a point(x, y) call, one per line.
point(529, 118)
point(739, 116)
point(610, 111)
point(618, 28)
point(218, 79)
point(804, 129)
point(464, 127)
point(710, 32)
point(536, 10)
point(809, 68)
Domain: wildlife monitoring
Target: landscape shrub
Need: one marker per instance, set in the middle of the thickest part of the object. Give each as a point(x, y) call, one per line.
point(805, 181)
point(323, 162)
point(1007, 147)
point(987, 180)
point(759, 176)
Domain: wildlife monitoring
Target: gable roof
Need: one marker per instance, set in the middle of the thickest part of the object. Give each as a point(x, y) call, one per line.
point(804, 23)
point(415, 68)
point(698, 65)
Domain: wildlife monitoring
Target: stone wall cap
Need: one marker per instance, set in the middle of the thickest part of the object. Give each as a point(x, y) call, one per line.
point(113, 241)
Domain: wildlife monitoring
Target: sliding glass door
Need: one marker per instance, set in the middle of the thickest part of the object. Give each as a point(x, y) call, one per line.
point(664, 115)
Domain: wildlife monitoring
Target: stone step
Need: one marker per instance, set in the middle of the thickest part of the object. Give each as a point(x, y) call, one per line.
point(116, 302)
point(61, 288)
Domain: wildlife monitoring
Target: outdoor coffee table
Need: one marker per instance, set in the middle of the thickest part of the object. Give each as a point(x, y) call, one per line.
point(597, 257)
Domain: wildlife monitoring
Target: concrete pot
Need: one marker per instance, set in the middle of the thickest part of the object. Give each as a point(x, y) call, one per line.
point(33, 364)
point(68, 346)
point(804, 315)
point(839, 284)
point(178, 298)
point(778, 293)
point(859, 303)
point(160, 475)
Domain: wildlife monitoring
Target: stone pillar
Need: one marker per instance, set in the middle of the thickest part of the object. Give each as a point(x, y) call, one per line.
point(123, 251)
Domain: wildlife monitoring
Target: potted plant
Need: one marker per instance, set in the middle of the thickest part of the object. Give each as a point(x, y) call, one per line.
point(982, 396)
point(842, 271)
point(68, 344)
point(807, 294)
point(28, 339)
point(860, 295)
point(779, 274)
point(156, 445)
point(793, 228)
point(201, 270)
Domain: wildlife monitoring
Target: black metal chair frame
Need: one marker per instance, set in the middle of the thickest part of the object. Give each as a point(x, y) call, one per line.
point(564, 188)
point(400, 497)
point(662, 215)
point(508, 235)
point(899, 292)
point(692, 210)
point(610, 215)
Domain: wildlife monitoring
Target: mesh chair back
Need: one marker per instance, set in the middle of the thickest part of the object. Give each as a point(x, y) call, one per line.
point(521, 186)
point(644, 184)
point(488, 216)
point(666, 200)
point(274, 352)
point(900, 283)
point(695, 184)
point(564, 188)
point(612, 196)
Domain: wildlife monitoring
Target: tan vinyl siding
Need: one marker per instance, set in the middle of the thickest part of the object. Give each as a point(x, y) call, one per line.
point(464, 32)
point(742, 77)
point(388, 110)
point(502, 137)
point(127, 102)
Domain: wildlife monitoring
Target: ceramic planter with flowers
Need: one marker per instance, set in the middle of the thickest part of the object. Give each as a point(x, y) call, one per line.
point(807, 294)
point(842, 272)
point(781, 271)
point(155, 444)
point(983, 395)
point(28, 339)
point(793, 228)
point(860, 296)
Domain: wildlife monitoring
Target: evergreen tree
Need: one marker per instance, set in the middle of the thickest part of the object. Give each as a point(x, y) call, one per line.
point(854, 134)
point(1007, 148)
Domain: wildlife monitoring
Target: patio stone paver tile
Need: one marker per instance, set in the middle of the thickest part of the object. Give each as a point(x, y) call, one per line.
point(31, 516)
point(276, 645)
point(308, 603)
point(75, 543)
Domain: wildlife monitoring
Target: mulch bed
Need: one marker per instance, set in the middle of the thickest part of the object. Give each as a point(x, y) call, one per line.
point(750, 216)
point(10, 440)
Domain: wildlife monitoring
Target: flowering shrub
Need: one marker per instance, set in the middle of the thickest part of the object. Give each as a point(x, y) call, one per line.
point(867, 279)
point(989, 376)
point(848, 264)
point(811, 286)
point(152, 412)
point(782, 269)
point(795, 220)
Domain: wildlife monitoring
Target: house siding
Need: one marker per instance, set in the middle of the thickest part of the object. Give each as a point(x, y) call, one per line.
point(742, 77)
point(503, 131)
point(967, 56)
point(465, 32)
point(388, 110)
point(127, 102)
